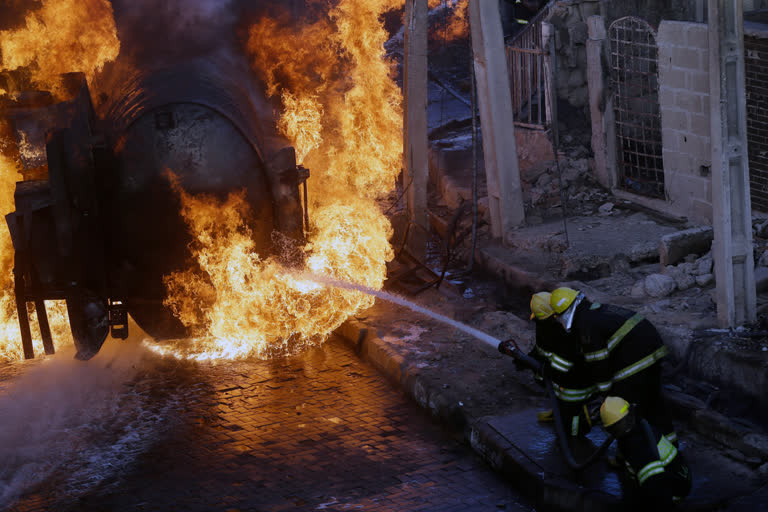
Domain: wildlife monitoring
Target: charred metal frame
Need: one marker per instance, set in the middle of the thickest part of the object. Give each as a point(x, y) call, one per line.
point(635, 83)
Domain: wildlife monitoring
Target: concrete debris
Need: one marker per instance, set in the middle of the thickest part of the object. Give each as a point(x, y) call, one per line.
point(704, 265)
point(705, 279)
point(638, 290)
point(762, 229)
point(676, 246)
point(763, 261)
point(761, 279)
point(659, 285)
point(605, 209)
point(685, 281)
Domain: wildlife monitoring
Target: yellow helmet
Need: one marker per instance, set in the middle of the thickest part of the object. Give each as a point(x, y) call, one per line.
point(540, 306)
point(561, 299)
point(614, 408)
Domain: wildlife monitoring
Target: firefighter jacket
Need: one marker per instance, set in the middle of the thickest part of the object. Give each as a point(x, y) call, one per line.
point(561, 353)
point(656, 465)
point(565, 367)
point(614, 344)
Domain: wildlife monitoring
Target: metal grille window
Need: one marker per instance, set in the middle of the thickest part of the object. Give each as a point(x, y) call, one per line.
point(756, 67)
point(635, 80)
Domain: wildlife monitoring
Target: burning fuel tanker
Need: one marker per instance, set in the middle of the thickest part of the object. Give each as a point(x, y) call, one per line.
point(97, 220)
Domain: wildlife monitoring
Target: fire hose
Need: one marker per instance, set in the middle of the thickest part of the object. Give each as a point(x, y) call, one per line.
point(511, 349)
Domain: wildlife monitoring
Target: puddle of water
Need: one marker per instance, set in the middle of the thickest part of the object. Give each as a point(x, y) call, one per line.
point(75, 425)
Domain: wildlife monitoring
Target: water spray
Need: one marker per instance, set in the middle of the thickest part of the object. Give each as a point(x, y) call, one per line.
point(507, 347)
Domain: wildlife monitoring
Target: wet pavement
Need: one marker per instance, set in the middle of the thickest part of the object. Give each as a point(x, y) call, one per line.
point(318, 431)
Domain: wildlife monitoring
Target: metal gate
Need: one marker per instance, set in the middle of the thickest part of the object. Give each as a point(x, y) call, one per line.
point(635, 81)
point(529, 72)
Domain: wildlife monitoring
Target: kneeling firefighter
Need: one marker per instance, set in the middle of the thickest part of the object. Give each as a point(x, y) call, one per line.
point(653, 462)
point(564, 364)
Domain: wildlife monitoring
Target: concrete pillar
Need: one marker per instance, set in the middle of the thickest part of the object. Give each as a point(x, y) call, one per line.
point(732, 212)
point(600, 103)
point(505, 195)
point(415, 144)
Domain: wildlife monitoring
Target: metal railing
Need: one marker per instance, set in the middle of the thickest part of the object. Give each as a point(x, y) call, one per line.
point(530, 70)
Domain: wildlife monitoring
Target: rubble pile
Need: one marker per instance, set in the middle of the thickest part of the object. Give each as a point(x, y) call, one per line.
point(691, 272)
point(542, 190)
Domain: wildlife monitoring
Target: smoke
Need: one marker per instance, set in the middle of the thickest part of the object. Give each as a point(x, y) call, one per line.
point(72, 425)
point(162, 32)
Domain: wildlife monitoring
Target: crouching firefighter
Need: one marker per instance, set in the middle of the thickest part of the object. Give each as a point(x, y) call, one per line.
point(655, 465)
point(564, 365)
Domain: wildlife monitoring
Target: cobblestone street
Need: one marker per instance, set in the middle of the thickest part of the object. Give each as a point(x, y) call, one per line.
point(318, 431)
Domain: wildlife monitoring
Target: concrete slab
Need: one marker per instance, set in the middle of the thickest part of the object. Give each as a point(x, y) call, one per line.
point(717, 478)
point(539, 443)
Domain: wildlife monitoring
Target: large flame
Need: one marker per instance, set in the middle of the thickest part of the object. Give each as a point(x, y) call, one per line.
point(60, 37)
point(342, 111)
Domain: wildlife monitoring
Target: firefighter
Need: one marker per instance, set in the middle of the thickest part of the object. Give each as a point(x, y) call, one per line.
point(621, 351)
point(564, 366)
point(652, 461)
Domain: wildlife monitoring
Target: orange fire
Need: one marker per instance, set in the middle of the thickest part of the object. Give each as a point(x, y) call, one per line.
point(342, 111)
point(60, 37)
point(456, 25)
point(10, 337)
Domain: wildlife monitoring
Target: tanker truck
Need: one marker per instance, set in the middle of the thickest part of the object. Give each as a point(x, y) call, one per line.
point(97, 222)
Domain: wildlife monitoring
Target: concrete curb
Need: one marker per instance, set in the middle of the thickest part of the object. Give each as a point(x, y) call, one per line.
point(546, 491)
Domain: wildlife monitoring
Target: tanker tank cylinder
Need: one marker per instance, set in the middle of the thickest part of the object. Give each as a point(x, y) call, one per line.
point(104, 226)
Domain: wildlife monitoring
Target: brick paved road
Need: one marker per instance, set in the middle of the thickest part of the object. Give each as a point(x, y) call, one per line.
point(320, 431)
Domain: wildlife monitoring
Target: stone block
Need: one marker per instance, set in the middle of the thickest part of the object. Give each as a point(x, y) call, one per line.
point(697, 36)
point(671, 33)
point(674, 120)
point(674, 79)
point(686, 58)
point(666, 97)
point(701, 211)
point(693, 187)
point(670, 145)
point(676, 246)
point(699, 82)
point(694, 144)
point(689, 102)
point(700, 125)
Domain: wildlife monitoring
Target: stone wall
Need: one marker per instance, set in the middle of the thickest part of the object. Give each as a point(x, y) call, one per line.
point(685, 118)
point(569, 18)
